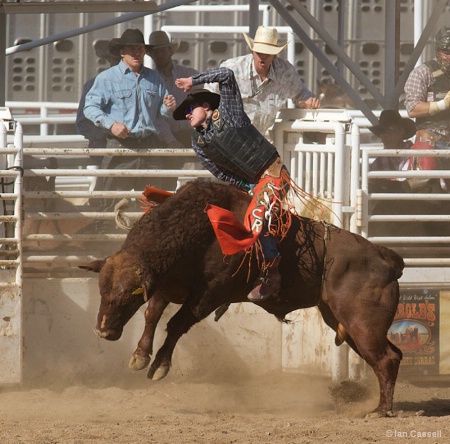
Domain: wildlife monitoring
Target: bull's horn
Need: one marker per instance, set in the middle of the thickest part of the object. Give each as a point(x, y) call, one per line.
point(139, 290)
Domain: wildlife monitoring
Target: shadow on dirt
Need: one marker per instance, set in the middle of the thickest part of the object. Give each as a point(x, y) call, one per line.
point(431, 408)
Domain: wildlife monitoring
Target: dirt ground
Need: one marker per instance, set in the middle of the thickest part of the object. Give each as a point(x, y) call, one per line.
point(222, 409)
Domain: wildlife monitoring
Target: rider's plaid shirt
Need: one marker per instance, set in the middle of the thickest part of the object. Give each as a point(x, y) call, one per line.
point(417, 85)
point(232, 112)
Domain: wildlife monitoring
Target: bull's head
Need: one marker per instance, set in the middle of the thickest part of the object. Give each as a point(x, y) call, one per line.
point(122, 290)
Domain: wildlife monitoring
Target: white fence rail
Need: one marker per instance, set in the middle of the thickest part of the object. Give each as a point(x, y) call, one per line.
point(335, 169)
point(414, 221)
point(11, 261)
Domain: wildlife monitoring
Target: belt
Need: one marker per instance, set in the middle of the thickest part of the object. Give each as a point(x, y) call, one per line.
point(133, 142)
point(431, 136)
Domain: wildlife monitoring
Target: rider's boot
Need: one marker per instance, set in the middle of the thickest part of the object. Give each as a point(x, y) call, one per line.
point(270, 283)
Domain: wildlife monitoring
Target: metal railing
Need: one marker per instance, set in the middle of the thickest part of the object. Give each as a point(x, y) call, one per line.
point(43, 114)
point(412, 219)
point(317, 167)
point(60, 218)
point(61, 210)
point(335, 169)
point(11, 170)
point(11, 259)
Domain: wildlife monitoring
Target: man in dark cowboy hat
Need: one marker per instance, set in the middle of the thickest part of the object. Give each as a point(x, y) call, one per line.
point(126, 100)
point(161, 50)
point(233, 150)
point(395, 132)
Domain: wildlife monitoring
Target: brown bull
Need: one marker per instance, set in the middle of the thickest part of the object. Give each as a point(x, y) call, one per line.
point(171, 255)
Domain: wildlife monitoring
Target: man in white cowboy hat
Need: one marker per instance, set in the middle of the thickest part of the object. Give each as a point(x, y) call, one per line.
point(161, 48)
point(266, 81)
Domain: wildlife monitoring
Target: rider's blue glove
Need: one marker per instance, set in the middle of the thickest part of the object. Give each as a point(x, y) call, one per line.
point(247, 187)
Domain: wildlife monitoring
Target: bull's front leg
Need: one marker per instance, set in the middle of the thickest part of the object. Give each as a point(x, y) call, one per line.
point(189, 314)
point(141, 356)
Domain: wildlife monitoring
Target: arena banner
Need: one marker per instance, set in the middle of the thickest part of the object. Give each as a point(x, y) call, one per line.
point(416, 331)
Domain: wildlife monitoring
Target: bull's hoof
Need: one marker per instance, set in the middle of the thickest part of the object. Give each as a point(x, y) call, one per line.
point(379, 414)
point(155, 374)
point(139, 362)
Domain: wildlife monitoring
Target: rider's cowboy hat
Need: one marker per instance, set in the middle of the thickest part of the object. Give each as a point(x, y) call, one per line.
point(130, 37)
point(160, 39)
point(200, 97)
point(391, 120)
point(265, 41)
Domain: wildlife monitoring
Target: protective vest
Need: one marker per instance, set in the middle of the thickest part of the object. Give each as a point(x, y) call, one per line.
point(435, 92)
point(243, 151)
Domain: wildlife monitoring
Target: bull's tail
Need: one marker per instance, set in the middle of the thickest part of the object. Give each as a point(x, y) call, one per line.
point(122, 220)
point(341, 335)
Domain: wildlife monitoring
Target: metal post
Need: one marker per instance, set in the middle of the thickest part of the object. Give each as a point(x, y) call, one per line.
point(391, 53)
point(3, 57)
point(18, 164)
point(340, 34)
point(418, 25)
point(253, 13)
point(99, 25)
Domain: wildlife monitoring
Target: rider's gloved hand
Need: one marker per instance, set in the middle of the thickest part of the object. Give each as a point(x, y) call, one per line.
point(245, 186)
point(440, 105)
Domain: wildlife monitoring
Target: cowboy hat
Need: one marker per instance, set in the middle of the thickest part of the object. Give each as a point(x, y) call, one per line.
point(160, 39)
point(200, 96)
point(103, 50)
point(389, 119)
point(265, 41)
point(128, 38)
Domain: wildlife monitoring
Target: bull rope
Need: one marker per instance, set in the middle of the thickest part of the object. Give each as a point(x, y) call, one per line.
point(326, 238)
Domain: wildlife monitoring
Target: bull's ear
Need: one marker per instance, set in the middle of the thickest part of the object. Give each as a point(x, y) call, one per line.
point(94, 266)
point(141, 290)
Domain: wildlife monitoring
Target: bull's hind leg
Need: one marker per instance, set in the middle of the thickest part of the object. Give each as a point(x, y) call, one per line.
point(178, 325)
point(384, 357)
point(366, 324)
point(367, 329)
point(386, 370)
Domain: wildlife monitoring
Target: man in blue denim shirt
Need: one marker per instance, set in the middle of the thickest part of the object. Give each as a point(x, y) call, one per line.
point(97, 136)
point(126, 99)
